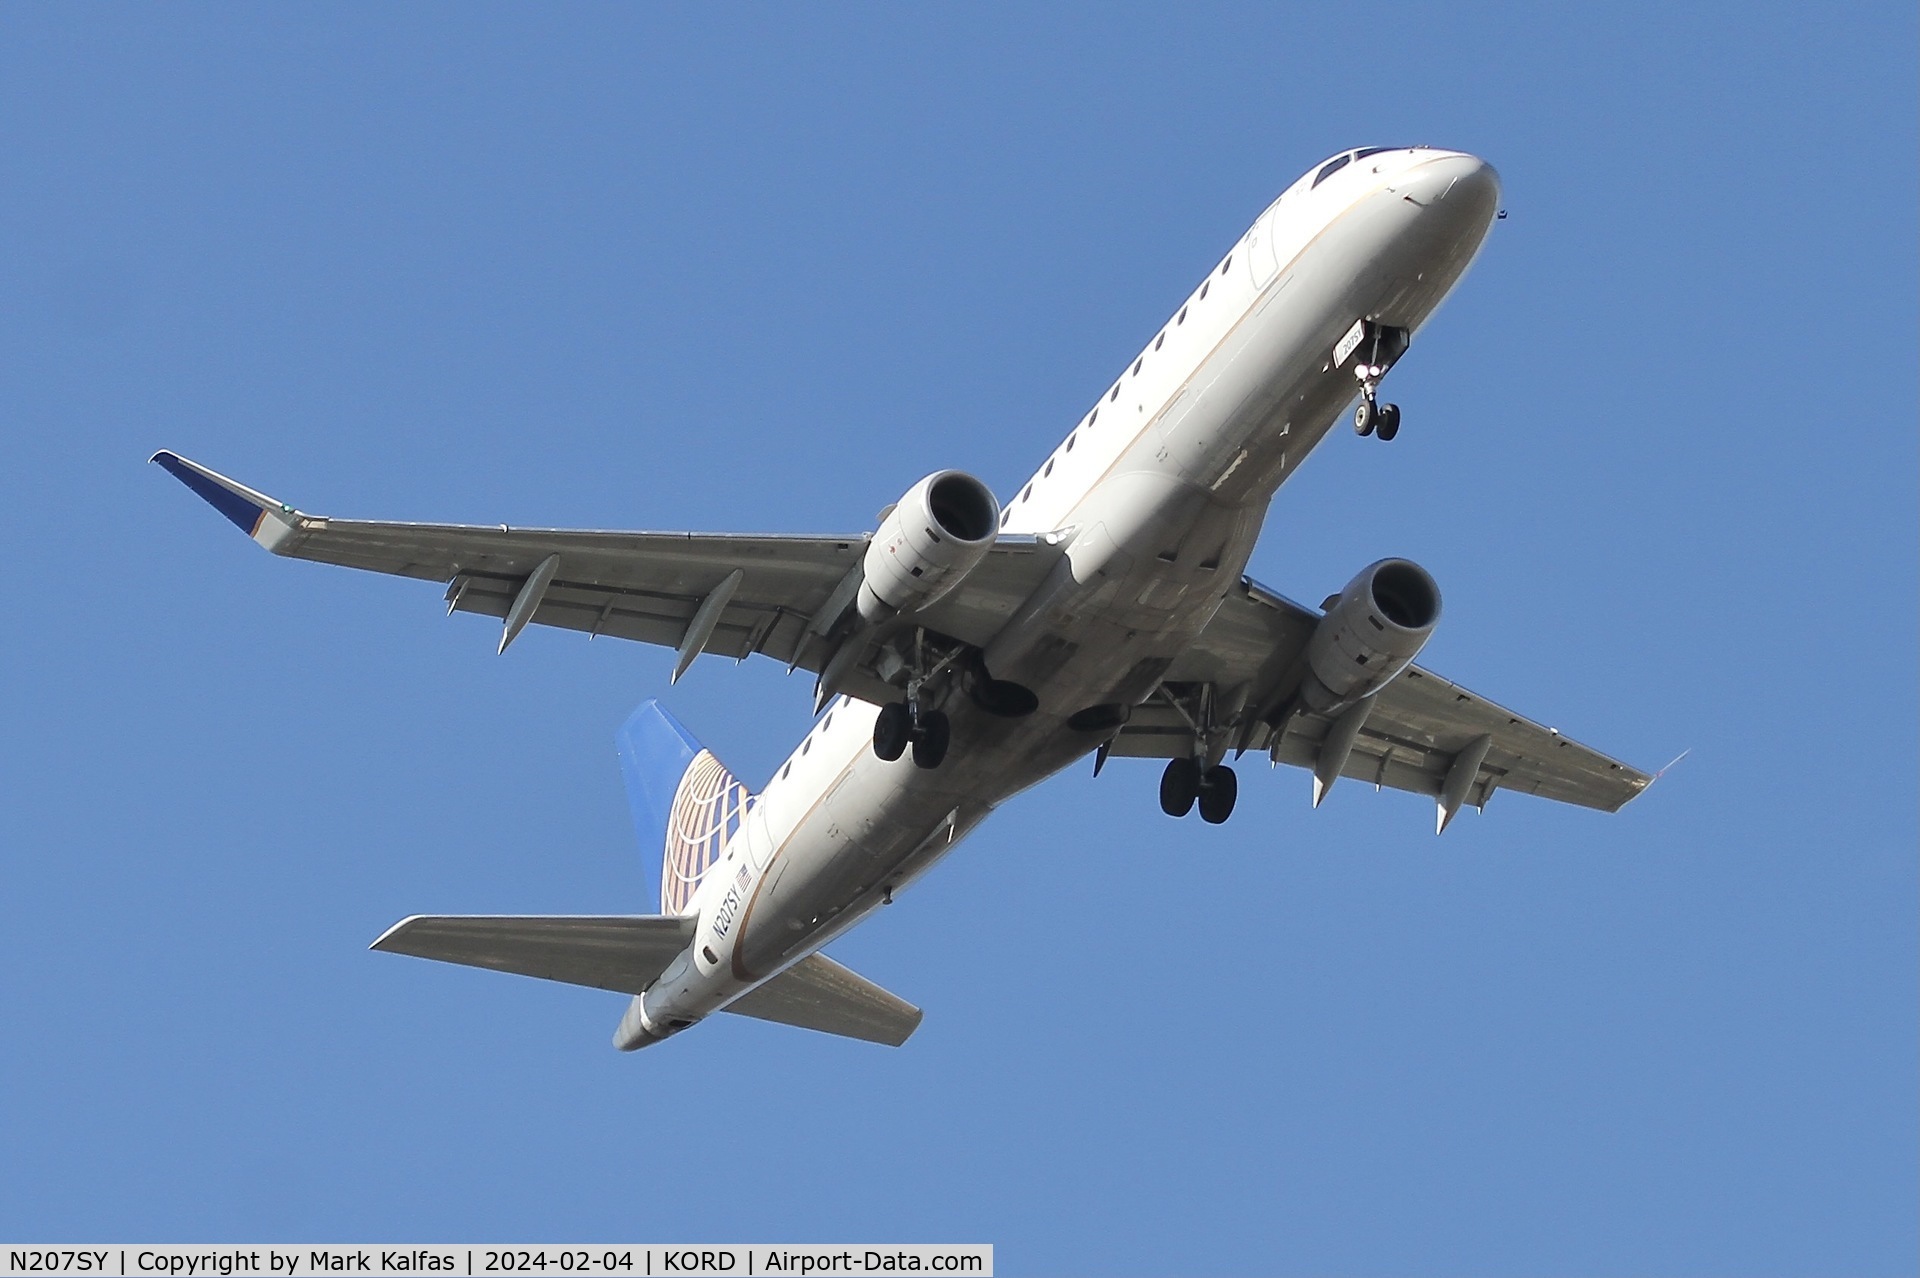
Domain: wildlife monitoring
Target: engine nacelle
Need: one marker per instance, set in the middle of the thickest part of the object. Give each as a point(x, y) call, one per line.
point(1372, 631)
point(937, 534)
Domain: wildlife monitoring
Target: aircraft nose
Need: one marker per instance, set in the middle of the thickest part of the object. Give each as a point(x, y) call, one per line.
point(1466, 186)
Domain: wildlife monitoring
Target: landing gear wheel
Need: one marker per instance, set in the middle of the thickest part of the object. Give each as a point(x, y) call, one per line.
point(930, 743)
point(1364, 415)
point(1218, 789)
point(1389, 423)
point(1179, 786)
point(892, 728)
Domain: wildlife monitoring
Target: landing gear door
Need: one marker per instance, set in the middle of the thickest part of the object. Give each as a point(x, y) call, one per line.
point(1376, 345)
point(1262, 260)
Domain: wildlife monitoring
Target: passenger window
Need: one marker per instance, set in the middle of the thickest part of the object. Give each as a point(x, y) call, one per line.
point(1183, 316)
point(1070, 440)
point(1204, 288)
point(1026, 492)
point(1047, 469)
point(1332, 167)
point(1093, 417)
point(828, 723)
point(1224, 265)
point(1116, 393)
point(1137, 363)
point(1159, 341)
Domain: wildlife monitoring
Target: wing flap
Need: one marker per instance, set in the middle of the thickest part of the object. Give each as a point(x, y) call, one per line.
point(819, 994)
point(623, 953)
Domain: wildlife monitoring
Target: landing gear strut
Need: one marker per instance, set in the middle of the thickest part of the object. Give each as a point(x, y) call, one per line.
point(1191, 779)
point(1376, 347)
point(901, 724)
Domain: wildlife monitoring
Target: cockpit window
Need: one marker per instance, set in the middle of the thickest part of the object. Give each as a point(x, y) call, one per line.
point(1365, 151)
point(1332, 167)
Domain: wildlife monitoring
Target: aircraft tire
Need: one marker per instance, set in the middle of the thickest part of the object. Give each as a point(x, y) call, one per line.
point(1363, 417)
point(891, 730)
point(930, 747)
point(1218, 790)
point(1389, 421)
point(1179, 786)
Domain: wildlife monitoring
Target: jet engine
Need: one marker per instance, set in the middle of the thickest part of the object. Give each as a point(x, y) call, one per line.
point(937, 534)
point(1372, 631)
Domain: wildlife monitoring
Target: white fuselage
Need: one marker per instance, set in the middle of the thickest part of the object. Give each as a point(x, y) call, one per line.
point(1151, 506)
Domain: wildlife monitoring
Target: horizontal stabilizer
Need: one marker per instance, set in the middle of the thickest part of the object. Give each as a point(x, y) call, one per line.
point(623, 953)
point(818, 994)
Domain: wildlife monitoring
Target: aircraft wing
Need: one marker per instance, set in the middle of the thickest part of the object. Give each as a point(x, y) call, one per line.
point(733, 594)
point(1420, 724)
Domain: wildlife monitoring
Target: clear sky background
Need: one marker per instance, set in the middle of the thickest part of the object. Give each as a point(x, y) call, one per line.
point(763, 268)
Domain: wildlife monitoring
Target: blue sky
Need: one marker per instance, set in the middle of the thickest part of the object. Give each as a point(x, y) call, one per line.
point(761, 269)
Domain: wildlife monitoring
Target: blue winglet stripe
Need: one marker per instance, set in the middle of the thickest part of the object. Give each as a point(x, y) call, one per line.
point(245, 514)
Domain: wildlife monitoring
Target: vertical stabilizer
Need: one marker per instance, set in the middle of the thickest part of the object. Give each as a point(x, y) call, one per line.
point(681, 795)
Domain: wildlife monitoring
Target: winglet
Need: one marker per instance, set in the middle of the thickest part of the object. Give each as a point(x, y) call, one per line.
point(254, 513)
point(1663, 772)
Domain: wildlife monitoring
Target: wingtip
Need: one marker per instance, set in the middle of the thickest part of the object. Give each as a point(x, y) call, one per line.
point(380, 942)
point(244, 507)
point(913, 1028)
point(1670, 766)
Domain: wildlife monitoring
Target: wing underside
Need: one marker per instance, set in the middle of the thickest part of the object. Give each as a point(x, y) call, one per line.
point(788, 598)
point(1415, 730)
point(736, 595)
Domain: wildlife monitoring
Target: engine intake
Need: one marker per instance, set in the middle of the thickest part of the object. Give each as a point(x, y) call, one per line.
point(927, 544)
point(1372, 631)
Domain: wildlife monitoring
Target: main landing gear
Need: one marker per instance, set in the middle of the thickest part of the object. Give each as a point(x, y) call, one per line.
point(1185, 782)
point(912, 723)
point(897, 727)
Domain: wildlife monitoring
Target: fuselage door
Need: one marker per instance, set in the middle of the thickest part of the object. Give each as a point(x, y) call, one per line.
point(759, 838)
point(1262, 260)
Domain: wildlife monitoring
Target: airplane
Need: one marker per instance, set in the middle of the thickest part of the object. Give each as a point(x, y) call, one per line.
point(965, 650)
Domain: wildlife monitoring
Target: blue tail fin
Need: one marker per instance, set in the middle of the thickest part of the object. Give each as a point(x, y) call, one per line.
point(681, 795)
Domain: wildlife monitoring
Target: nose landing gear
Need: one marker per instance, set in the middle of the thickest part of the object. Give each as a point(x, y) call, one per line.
point(1371, 417)
point(1374, 348)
